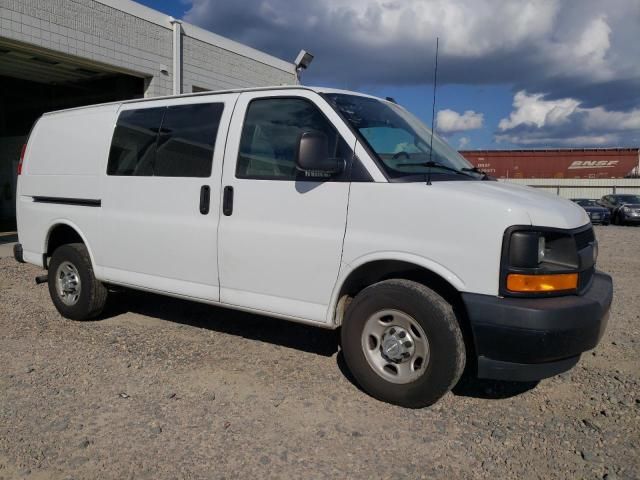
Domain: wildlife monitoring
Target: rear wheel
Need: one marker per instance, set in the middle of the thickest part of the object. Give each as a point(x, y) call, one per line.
point(73, 287)
point(402, 343)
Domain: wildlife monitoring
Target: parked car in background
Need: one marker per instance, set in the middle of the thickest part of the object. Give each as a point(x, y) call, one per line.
point(596, 212)
point(624, 209)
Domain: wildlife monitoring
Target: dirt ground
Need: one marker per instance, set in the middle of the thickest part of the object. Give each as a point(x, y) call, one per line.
point(161, 388)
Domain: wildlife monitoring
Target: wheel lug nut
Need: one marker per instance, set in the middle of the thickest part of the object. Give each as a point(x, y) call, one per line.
point(402, 334)
point(392, 331)
point(408, 344)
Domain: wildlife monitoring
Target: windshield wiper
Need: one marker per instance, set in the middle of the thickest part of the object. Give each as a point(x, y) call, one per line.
point(433, 164)
point(476, 170)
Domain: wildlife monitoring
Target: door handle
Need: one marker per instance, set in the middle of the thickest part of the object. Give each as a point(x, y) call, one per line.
point(227, 201)
point(205, 199)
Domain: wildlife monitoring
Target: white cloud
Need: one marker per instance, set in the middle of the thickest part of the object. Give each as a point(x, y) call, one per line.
point(536, 120)
point(463, 142)
point(532, 109)
point(583, 54)
point(553, 46)
point(450, 121)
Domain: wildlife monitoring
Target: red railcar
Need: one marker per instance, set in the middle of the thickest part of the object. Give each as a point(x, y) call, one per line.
point(560, 163)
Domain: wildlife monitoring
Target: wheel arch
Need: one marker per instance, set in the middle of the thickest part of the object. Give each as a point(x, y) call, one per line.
point(62, 232)
point(374, 268)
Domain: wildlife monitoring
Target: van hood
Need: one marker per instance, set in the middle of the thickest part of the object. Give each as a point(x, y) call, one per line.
point(542, 208)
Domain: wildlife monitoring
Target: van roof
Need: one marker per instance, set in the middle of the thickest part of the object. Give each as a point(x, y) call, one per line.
point(214, 92)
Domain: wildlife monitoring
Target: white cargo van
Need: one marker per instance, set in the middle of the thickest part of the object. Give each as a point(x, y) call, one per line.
point(320, 206)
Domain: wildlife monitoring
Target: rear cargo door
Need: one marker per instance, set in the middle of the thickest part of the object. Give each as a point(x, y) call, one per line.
point(161, 205)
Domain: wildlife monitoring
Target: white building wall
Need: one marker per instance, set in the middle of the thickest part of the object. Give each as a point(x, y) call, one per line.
point(124, 36)
point(214, 68)
point(94, 32)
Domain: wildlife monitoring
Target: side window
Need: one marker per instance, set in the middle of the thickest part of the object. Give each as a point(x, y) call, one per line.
point(175, 141)
point(270, 135)
point(186, 141)
point(134, 142)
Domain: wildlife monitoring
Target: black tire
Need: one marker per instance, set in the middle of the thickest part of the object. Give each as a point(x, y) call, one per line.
point(92, 296)
point(447, 354)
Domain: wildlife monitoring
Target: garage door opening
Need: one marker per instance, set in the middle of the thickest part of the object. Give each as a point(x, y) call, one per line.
point(33, 82)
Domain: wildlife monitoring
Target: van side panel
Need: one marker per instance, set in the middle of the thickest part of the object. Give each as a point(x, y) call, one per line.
point(72, 143)
point(61, 180)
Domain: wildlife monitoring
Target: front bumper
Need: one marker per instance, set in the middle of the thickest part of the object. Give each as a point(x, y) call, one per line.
point(600, 217)
point(630, 219)
point(527, 339)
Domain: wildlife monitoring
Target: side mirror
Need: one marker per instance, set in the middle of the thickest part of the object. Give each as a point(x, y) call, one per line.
point(312, 155)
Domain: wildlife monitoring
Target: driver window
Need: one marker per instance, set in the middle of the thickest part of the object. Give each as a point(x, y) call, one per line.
point(270, 136)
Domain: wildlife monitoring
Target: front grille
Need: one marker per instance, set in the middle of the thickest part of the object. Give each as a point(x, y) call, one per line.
point(584, 238)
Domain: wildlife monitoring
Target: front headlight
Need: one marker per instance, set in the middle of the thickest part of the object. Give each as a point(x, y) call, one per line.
point(541, 261)
point(533, 249)
point(541, 248)
point(626, 209)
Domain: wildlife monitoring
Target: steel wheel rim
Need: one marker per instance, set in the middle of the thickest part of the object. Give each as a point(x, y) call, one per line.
point(68, 284)
point(395, 346)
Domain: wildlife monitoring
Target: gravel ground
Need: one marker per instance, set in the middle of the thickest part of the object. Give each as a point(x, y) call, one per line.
point(161, 388)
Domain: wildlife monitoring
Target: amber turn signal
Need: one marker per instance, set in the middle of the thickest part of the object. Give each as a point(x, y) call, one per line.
point(517, 282)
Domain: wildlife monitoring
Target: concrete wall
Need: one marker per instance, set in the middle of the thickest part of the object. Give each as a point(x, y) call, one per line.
point(95, 32)
point(121, 36)
point(124, 36)
point(229, 69)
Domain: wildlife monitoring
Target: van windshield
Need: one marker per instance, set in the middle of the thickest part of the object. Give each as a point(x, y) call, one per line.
point(399, 139)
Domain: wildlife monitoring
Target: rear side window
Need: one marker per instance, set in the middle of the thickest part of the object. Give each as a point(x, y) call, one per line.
point(186, 141)
point(270, 135)
point(175, 141)
point(134, 142)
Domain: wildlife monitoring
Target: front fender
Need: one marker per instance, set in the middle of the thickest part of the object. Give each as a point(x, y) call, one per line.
point(346, 269)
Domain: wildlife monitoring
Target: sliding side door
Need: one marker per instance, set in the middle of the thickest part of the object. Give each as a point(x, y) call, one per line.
point(161, 205)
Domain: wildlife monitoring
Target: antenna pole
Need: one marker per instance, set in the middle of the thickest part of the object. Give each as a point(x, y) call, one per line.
point(433, 110)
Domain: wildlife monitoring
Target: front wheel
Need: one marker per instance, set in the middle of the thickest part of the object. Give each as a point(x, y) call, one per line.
point(402, 343)
point(73, 287)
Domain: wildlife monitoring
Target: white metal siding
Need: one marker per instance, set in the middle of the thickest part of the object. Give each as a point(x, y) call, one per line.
point(581, 188)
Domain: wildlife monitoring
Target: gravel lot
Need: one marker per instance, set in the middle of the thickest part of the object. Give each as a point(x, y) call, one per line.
point(161, 388)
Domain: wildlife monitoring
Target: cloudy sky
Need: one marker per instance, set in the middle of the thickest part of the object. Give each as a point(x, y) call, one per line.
point(511, 74)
